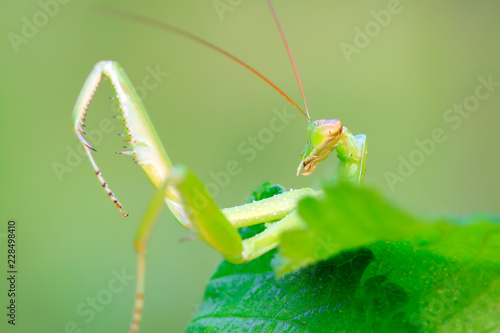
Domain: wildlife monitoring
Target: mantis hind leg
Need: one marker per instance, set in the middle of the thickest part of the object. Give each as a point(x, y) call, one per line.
point(140, 244)
point(218, 227)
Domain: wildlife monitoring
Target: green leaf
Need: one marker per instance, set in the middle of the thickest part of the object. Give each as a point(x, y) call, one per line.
point(264, 191)
point(347, 217)
point(384, 271)
point(248, 298)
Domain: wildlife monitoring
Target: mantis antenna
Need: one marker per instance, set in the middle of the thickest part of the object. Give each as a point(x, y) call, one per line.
point(180, 32)
point(282, 33)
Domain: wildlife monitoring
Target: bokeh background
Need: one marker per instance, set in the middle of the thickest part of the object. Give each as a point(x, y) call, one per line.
point(72, 241)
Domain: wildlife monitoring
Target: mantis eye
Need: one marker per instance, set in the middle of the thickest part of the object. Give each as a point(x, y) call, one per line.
point(331, 132)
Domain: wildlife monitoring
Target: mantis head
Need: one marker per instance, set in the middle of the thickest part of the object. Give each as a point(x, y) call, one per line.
point(322, 137)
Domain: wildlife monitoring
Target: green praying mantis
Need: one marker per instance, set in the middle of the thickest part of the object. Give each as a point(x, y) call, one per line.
point(184, 193)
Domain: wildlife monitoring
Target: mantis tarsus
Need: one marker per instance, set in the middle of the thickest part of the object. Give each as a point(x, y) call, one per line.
point(183, 192)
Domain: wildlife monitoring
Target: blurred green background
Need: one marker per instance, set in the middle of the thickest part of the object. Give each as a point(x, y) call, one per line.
point(396, 89)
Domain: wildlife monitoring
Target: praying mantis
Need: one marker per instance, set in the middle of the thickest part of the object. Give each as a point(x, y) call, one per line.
point(182, 191)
